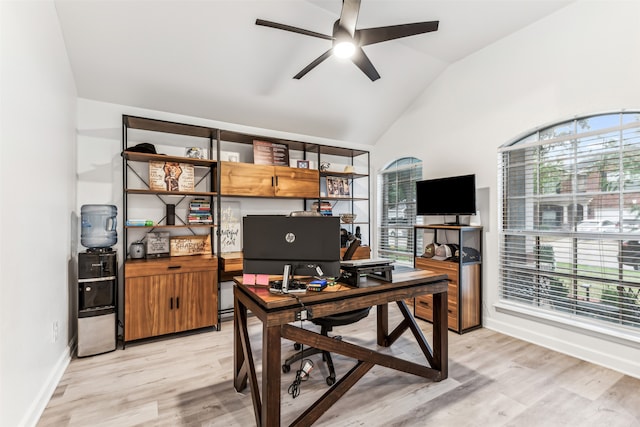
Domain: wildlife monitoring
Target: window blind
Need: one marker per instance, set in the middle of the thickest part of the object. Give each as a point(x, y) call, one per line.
point(570, 220)
point(397, 209)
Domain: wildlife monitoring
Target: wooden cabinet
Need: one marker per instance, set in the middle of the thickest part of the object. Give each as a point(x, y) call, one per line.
point(168, 295)
point(463, 270)
point(245, 179)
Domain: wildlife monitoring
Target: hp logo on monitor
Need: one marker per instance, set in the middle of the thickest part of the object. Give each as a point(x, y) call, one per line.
point(290, 237)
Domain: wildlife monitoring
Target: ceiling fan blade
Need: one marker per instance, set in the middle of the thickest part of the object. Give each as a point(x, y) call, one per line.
point(349, 15)
point(362, 61)
point(314, 64)
point(292, 29)
point(369, 36)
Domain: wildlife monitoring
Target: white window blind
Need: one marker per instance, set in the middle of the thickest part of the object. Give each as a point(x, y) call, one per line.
point(397, 208)
point(570, 221)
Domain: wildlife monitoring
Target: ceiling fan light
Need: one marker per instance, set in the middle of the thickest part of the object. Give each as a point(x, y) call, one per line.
point(344, 49)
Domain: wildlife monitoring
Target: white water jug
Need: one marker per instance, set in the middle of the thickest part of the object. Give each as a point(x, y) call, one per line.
point(98, 226)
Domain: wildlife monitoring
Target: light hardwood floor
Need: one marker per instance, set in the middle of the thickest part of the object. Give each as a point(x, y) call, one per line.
point(494, 380)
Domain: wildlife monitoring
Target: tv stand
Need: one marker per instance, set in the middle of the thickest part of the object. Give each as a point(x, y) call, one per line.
point(456, 222)
point(464, 273)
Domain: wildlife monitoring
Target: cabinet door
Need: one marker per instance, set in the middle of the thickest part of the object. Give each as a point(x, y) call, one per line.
point(244, 179)
point(196, 300)
point(147, 307)
point(297, 182)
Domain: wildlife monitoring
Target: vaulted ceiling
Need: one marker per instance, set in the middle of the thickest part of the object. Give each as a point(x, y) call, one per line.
point(208, 59)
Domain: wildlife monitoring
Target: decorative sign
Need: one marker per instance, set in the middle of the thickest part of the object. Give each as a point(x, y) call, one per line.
point(270, 153)
point(230, 227)
point(171, 176)
point(158, 244)
point(190, 245)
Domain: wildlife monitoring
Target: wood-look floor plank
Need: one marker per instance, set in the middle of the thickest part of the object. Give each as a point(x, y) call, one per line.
point(494, 380)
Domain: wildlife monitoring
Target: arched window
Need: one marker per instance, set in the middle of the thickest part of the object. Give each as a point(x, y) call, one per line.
point(397, 208)
point(570, 222)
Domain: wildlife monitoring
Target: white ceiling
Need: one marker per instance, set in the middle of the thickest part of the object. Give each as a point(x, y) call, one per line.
point(208, 59)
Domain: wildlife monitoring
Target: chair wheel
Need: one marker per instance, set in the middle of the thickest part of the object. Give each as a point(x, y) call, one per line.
point(297, 346)
point(331, 380)
point(286, 368)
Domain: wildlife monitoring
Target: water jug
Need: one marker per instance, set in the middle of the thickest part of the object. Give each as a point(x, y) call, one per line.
point(98, 226)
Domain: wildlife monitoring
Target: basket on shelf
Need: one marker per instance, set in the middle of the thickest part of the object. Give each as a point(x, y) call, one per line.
point(348, 218)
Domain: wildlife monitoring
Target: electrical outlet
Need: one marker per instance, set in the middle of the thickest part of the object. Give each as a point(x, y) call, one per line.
point(56, 331)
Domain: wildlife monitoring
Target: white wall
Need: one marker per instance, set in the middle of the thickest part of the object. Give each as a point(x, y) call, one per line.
point(583, 59)
point(37, 189)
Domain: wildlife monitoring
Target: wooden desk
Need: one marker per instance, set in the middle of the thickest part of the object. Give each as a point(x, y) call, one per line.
point(276, 312)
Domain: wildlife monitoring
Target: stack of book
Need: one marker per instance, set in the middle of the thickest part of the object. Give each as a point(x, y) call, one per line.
point(200, 212)
point(325, 208)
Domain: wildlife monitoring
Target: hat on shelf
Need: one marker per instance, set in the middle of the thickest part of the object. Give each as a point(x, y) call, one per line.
point(442, 252)
point(143, 147)
point(430, 250)
point(468, 254)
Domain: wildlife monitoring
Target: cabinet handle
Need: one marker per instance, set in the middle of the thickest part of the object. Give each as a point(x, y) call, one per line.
point(171, 303)
point(276, 181)
point(177, 302)
point(272, 181)
point(174, 267)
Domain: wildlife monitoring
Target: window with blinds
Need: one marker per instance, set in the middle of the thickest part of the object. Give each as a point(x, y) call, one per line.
point(397, 209)
point(570, 221)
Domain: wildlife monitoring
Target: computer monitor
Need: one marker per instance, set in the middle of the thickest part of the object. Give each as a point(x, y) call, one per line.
point(305, 242)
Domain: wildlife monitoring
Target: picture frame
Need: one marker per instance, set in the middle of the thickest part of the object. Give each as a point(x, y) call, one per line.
point(338, 187)
point(303, 164)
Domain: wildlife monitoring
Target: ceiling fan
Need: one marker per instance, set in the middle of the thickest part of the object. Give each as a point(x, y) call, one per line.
point(348, 41)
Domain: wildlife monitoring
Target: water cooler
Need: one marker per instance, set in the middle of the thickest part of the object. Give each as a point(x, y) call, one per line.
point(97, 281)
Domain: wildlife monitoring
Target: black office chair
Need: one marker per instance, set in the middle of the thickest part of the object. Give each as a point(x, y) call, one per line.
point(326, 325)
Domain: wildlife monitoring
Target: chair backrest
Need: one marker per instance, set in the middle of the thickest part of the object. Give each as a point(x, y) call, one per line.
point(351, 250)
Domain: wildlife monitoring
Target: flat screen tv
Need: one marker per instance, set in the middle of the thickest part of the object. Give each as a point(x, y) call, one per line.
point(454, 195)
point(304, 242)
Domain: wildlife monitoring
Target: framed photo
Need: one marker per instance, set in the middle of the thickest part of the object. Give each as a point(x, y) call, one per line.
point(304, 164)
point(338, 187)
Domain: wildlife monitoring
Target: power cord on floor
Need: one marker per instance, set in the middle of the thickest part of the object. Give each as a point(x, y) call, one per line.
point(306, 365)
point(302, 374)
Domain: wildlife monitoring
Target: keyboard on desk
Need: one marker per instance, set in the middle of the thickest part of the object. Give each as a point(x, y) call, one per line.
point(295, 286)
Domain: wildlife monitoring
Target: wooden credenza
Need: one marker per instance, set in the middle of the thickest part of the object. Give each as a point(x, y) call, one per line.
point(464, 310)
point(168, 295)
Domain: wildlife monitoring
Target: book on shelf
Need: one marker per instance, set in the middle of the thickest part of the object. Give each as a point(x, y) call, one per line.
point(324, 208)
point(199, 212)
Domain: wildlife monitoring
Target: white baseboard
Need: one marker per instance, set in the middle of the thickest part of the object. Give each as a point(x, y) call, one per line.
point(39, 404)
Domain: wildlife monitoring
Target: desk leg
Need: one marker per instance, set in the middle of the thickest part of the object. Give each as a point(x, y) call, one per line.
point(243, 366)
point(440, 334)
point(271, 370)
point(382, 316)
point(239, 360)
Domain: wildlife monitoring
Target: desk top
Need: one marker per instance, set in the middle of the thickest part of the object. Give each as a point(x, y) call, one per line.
point(404, 280)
